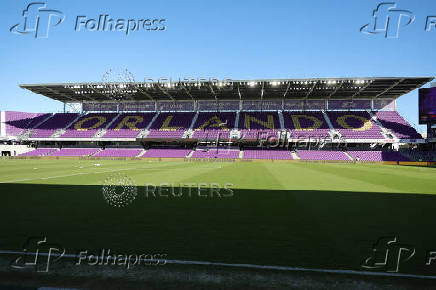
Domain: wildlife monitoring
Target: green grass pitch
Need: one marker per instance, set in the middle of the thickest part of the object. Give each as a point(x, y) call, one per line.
point(316, 215)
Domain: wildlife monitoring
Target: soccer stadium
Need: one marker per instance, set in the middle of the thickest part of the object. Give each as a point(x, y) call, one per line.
point(313, 167)
point(287, 119)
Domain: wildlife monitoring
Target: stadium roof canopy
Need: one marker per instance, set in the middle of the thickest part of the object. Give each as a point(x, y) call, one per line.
point(266, 89)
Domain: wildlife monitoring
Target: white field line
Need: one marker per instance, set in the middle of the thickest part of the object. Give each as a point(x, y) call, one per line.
point(254, 266)
point(66, 175)
point(107, 171)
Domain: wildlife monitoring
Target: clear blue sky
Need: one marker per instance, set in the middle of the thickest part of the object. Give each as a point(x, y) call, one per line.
point(234, 39)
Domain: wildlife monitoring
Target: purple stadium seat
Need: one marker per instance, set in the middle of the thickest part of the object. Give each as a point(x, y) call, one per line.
point(58, 121)
point(118, 152)
point(355, 125)
point(18, 122)
point(170, 125)
point(129, 125)
point(305, 125)
point(223, 153)
point(322, 155)
point(88, 125)
point(392, 121)
point(39, 152)
point(74, 152)
point(267, 154)
point(377, 156)
point(166, 153)
point(211, 125)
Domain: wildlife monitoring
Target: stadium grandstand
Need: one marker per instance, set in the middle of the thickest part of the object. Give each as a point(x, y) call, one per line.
point(342, 119)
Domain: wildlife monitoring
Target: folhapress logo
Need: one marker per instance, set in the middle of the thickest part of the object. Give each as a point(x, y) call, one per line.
point(38, 20)
point(388, 20)
point(38, 254)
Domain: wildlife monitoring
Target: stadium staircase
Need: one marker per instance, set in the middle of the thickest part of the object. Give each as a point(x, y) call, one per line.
point(348, 155)
point(151, 122)
point(295, 155)
point(143, 133)
point(141, 153)
point(334, 134)
point(99, 150)
point(100, 133)
point(237, 120)
point(235, 134)
point(28, 133)
point(25, 135)
point(113, 120)
point(188, 134)
point(58, 133)
point(241, 154)
point(190, 153)
point(281, 120)
point(43, 121)
point(385, 132)
point(193, 121)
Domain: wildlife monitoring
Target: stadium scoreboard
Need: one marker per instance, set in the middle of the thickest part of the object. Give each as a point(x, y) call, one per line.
point(427, 105)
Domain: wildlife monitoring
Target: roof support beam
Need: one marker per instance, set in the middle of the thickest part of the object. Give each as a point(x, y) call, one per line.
point(213, 92)
point(360, 90)
point(262, 91)
point(389, 88)
point(239, 93)
point(57, 93)
point(165, 92)
point(145, 93)
point(287, 89)
point(334, 92)
point(104, 94)
point(311, 90)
